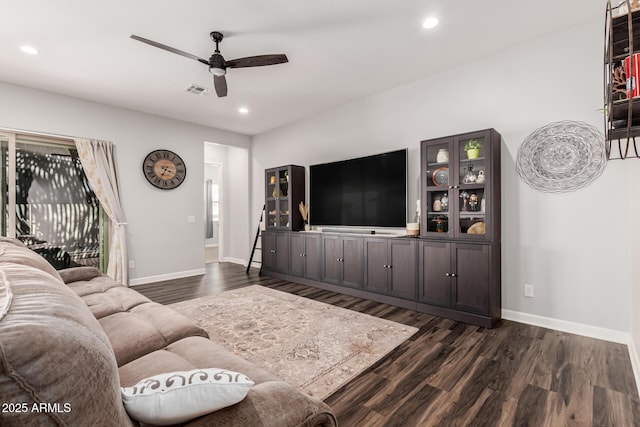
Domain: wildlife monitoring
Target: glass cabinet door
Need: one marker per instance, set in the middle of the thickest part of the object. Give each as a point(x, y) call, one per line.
point(437, 192)
point(458, 185)
point(271, 195)
point(471, 179)
point(277, 198)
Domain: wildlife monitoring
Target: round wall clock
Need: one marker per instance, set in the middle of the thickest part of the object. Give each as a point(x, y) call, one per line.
point(164, 169)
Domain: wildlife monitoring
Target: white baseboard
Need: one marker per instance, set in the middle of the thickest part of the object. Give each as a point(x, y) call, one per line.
point(635, 362)
point(169, 276)
point(234, 260)
point(566, 326)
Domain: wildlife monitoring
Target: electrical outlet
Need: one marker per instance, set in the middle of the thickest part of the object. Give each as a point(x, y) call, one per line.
point(132, 264)
point(528, 291)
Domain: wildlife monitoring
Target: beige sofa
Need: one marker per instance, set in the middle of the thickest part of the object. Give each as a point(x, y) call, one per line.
point(69, 341)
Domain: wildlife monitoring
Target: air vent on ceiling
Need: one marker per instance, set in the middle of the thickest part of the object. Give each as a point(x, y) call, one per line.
point(198, 90)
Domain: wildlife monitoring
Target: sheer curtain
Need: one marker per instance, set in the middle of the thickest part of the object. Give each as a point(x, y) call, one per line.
point(99, 165)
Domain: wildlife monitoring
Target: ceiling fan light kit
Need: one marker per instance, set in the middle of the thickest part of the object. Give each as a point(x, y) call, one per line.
point(217, 64)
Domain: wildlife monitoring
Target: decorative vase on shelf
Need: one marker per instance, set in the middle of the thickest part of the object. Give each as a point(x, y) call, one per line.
point(437, 205)
point(442, 156)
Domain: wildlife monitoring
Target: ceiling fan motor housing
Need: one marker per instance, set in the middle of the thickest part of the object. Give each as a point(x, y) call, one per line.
point(217, 65)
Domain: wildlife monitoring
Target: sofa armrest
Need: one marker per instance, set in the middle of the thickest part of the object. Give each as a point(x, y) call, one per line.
point(76, 274)
point(271, 404)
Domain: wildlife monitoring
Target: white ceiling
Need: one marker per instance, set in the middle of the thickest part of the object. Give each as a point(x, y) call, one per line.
point(339, 50)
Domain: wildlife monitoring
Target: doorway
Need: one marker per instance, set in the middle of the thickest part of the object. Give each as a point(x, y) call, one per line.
point(213, 209)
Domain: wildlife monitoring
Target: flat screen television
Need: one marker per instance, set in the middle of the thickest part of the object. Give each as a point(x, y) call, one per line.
point(364, 192)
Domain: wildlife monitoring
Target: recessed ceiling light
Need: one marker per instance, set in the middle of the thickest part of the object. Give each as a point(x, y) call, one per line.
point(243, 110)
point(430, 22)
point(29, 49)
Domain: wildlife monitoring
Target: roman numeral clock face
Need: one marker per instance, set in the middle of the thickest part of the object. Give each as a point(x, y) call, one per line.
point(164, 169)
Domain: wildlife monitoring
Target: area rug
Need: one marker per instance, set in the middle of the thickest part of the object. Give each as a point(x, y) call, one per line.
point(313, 346)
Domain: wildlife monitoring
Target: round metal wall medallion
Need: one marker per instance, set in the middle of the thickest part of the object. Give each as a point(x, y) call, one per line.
point(562, 156)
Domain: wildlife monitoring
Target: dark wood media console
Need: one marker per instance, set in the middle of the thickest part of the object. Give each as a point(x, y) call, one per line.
point(398, 271)
point(451, 270)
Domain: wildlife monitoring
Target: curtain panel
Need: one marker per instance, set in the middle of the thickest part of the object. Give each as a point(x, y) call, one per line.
point(99, 166)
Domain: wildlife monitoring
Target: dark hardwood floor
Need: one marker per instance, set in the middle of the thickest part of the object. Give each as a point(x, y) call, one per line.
point(454, 374)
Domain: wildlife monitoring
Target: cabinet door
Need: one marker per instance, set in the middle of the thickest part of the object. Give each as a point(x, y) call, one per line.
point(435, 273)
point(271, 203)
point(471, 217)
point(282, 252)
point(352, 261)
point(402, 268)
point(268, 251)
point(375, 265)
point(471, 284)
point(331, 264)
point(437, 163)
point(297, 254)
point(312, 257)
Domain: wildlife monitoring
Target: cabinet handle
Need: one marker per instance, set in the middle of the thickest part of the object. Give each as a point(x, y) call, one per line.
point(300, 255)
point(454, 275)
point(337, 259)
point(272, 251)
point(303, 255)
point(447, 274)
point(389, 266)
point(385, 265)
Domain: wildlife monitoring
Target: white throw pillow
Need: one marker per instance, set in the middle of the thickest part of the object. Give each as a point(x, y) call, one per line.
point(177, 397)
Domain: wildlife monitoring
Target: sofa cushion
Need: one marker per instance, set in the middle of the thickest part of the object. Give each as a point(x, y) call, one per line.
point(53, 352)
point(269, 403)
point(187, 354)
point(75, 274)
point(133, 323)
point(145, 328)
point(176, 397)
point(13, 251)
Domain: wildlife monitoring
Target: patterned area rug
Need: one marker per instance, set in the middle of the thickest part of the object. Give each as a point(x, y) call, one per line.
point(313, 346)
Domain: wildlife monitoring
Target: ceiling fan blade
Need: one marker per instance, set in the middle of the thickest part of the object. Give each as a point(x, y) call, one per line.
point(169, 49)
point(257, 61)
point(220, 83)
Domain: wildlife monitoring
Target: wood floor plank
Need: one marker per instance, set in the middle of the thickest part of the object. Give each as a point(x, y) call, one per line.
point(612, 408)
point(453, 374)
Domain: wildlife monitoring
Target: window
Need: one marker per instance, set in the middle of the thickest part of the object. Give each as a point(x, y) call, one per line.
point(47, 202)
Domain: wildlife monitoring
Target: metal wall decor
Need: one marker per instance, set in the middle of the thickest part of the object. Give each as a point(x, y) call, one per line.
point(562, 156)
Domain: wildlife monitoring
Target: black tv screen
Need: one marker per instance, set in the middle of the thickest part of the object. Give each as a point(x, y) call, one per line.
point(368, 191)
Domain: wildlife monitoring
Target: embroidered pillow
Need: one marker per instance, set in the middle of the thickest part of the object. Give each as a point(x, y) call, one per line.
point(177, 397)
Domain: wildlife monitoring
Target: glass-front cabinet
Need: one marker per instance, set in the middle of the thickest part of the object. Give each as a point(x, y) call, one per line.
point(461, 186)
point(284, 191)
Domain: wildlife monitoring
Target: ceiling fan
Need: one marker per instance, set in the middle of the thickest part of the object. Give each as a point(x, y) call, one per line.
point(216, 62)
